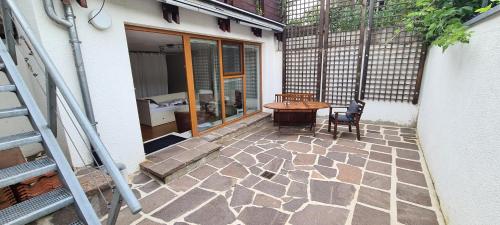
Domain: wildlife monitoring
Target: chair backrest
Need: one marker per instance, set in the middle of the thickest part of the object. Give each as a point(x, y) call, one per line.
point(294, 97)
point(356, 106)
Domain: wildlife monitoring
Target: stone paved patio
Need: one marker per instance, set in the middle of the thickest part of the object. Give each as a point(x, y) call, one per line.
point(379, 180)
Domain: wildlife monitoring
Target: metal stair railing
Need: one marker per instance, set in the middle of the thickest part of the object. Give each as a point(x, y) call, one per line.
point(122, 187)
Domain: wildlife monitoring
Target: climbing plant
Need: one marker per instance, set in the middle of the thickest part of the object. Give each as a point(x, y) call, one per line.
point(442, 21)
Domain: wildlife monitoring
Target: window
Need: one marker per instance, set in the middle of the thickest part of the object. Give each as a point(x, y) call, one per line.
point(231, 58)
point(252, 70)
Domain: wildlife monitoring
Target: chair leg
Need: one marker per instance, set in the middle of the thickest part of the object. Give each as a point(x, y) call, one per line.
point(329, 123)
point(358, 132)
point(334, 130)
point(350, 128)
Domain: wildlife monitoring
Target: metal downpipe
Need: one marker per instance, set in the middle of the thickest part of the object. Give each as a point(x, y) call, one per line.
point(70, 25)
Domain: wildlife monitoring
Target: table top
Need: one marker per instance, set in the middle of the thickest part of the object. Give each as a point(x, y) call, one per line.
point(296, 105)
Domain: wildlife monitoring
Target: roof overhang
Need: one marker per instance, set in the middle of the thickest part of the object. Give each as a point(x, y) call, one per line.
point(225, 11)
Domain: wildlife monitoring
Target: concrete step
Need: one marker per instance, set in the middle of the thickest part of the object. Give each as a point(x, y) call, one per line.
point(179, 159)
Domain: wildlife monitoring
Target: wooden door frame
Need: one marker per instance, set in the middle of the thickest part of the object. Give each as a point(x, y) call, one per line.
point(188, 62)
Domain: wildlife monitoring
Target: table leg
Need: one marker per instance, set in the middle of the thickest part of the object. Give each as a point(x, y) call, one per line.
point(279, 122)
point(313, 123)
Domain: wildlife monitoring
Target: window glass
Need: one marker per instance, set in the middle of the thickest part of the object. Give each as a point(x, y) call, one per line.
point(231, 57)
point(233, 98)
point(252, 70)
point(206, 73)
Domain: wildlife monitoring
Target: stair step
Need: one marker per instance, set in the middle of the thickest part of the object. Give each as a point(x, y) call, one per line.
point(20, 140)
point(13, 112)
point(36, 207)
point(7, 88)
point(21, 172)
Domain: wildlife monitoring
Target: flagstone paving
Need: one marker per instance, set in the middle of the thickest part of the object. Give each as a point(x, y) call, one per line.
point(379, 180)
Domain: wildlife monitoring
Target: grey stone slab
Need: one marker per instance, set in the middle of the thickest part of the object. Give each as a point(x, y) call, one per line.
point(326, 171)
point(351, 143)
point(381, 148)
point(141, 178)
point(165, 153)
point(203, 172)
point(413, 194)
point(184, 203)
point(281, 179)
point(374, 197)
point(403, 145)
point(410, 214)
point(379, 167)
point(221, 161)
point(242, 144)
point(146, 221)
point(189, 156)
point(218, 183)
point(270, 188)
point(408, 154)
point(331, 192)
point(156, 199)
point(408, 164)
point(364, 215)
point(262, 216)
point(266, 201)
point(297, 147)
point(274, 165)
point(229, 151)
point(255, 170)
point(323, 142)
point(253, 150)
point(380, 157)
point(337, 156)
point(241, 196)
point(182, 183)
point(250, 181)
point(215, 212)
point(245, 159)
point(294, 204)
point(347, 149)
point(356, 160)
point(297, 189)
point(320, 215)
point(377, 181)
point(299, 176)
point(306, 139)
point(164, 168)
point(192, 143)
point(235, 170)
point(263, 157)
point(411, 177)
point(304, 159)
point(374, 140)
point(149, 187)
point(324, 161)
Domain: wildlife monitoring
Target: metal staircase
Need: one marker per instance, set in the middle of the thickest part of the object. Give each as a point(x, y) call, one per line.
point(71, 192)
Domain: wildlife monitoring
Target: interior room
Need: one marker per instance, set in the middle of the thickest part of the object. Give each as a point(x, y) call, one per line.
point(158, 70)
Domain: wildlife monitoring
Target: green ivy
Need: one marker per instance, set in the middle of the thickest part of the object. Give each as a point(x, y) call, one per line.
point(442, 21)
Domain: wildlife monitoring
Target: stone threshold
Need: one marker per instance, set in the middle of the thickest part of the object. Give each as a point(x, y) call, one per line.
point(183, 157)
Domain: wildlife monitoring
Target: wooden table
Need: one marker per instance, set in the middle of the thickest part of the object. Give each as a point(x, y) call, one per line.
point(299, 107)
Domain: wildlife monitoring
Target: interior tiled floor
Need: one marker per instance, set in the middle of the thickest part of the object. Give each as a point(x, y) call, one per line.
point(379, 180)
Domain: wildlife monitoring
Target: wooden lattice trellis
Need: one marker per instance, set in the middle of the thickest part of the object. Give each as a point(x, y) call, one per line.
point(351, 49)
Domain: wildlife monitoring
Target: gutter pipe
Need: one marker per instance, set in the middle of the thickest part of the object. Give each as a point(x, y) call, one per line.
point(69, 23)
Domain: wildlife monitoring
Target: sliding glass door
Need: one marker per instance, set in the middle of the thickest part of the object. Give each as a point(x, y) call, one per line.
point(206, 77)
point(225, 82)
point(252, 76)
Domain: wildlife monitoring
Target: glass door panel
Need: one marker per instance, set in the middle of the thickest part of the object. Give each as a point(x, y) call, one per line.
point(252, 68)
point(206, 74)
point(233, 98)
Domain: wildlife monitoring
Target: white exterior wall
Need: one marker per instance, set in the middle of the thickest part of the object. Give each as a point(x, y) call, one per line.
point(384, 112)
point(108, 67)
point(458, 125)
